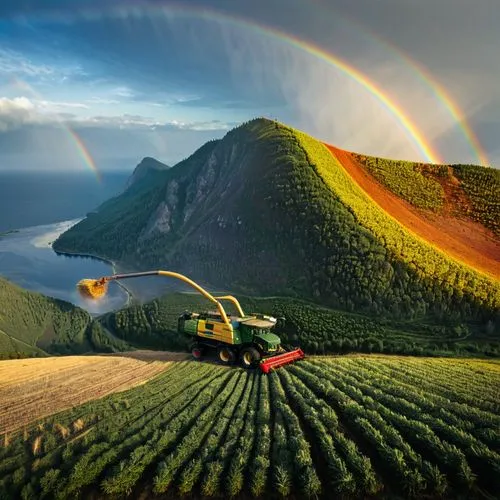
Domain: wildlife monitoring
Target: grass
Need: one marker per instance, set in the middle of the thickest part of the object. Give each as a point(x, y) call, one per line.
point(351, 426)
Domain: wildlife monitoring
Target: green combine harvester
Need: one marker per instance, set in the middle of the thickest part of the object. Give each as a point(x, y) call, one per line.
point(247, 338)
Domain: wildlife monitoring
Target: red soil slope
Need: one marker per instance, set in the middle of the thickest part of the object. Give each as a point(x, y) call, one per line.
point(466, 241)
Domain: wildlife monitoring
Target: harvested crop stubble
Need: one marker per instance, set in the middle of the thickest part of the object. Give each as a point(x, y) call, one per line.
point(33, 388)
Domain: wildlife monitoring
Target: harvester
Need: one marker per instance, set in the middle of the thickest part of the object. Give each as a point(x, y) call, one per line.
point(244, 338)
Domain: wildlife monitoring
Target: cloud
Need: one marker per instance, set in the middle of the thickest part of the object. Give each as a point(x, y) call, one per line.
point(15, 113)
point(14, 63)
point(55, 107)
point(123, 92)
point(21, 111)
point(197, 125)
point(140, 62)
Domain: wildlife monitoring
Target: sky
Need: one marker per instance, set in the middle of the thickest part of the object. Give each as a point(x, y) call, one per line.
point(99, 84)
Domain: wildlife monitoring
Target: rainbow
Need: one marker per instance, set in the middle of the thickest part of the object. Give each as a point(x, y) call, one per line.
point(424, 75)
point(452, 107)
point(81, 149)
point(139, 11)
point(408, 126)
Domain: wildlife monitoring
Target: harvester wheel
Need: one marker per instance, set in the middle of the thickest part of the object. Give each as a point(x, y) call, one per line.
point(249, 357)
point(197, 351)
point(226, 355)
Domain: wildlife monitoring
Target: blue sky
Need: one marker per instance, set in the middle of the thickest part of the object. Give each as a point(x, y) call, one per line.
point(157, 78)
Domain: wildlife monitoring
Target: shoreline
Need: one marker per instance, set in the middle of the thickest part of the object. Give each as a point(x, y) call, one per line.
point(114, 265)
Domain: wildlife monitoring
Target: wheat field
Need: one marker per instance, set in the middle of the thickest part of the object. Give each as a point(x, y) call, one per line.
point(34, 388)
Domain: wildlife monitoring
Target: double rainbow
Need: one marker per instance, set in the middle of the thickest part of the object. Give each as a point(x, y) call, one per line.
point(405, 122)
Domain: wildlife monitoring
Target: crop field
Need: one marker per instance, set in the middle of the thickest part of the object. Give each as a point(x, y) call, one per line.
point(34, 388)
point(349, 426)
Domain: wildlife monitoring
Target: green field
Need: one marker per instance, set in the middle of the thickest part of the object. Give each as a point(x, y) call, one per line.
point(326, 426)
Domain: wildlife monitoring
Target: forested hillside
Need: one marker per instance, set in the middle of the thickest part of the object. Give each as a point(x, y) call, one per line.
point(32, 324)
point(467, 191)
point(268, 210)
point(318, 330)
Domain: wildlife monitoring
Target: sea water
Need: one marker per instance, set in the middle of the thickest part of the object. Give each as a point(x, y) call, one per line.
point(34, 210)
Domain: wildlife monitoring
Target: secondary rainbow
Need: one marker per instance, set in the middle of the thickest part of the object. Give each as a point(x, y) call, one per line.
point(451, 106)
point(424, 75)
point(134, 10)
point(405, 122)
point(81, 149)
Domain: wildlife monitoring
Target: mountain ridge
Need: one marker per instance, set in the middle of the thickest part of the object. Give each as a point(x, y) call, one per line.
point(307, 238)
point(146, 166)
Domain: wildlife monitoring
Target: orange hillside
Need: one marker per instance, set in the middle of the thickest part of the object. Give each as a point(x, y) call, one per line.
point(466, 241)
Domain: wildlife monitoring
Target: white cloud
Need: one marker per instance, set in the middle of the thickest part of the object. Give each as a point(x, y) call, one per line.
point(17, 112)
point(12, 62)
point(55, 106)
point(21, 111)
point(201, 125)
point(123, 92)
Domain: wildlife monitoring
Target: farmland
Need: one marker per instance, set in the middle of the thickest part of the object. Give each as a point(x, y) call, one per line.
point(344, 426)
point(34, 388)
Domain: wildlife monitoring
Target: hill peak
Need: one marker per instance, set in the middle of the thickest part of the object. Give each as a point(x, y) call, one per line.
point(149, 162)
point(146, 165)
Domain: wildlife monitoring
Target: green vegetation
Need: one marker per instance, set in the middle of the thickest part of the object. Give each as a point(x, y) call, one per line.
point(34, 325)
point(483, 187)
point(346, 426)
point(432, 268)
point(114, 228)
point(315, 236)
point(473, 191)
point(405, 179)
point(317, 330)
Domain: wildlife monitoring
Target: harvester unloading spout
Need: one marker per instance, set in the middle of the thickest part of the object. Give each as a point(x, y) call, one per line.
point(244, 337)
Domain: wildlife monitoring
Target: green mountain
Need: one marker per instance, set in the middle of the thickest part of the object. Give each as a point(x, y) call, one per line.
point(148, 170)
point(268, 210)
point(32, 324)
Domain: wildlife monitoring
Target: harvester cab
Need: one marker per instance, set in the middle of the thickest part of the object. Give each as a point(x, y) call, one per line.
point(244, 338)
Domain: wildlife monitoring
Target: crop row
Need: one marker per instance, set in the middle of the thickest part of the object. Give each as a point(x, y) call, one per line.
point(450, 447)
point(324, 426)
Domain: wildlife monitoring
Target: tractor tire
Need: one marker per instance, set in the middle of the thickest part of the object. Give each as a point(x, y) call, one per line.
point(197, 351)
point(226, 355)
point(249, 357)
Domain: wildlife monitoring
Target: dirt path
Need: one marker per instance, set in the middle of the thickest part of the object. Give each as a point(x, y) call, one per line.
point(465, 241)
point(34, 388)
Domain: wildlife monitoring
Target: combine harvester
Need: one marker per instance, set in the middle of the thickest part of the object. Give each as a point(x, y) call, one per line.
point(245, 338)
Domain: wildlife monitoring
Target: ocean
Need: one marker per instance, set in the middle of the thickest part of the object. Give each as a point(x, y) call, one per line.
point(34, 210)
point(31, 199)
